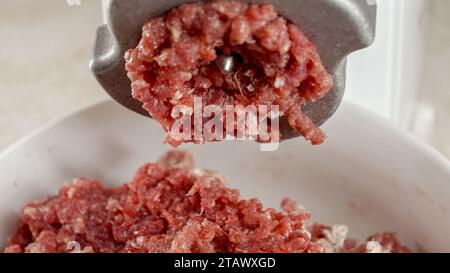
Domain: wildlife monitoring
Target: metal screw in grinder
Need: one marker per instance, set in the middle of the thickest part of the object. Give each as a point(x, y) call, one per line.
point(337, 27)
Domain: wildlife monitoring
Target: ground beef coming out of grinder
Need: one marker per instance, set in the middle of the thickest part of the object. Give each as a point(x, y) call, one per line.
point(171, 206)
point(276, 64)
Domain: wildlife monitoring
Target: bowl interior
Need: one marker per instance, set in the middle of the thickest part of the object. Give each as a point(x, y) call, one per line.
point(368, 174)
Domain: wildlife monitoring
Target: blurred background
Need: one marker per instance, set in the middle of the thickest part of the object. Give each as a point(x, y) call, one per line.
point(45, 48)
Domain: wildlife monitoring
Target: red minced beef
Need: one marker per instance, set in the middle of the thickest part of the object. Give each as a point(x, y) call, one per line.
point(171, 206)
point(175, 62)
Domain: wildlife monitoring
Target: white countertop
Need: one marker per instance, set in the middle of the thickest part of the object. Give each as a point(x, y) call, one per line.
point(45, 47)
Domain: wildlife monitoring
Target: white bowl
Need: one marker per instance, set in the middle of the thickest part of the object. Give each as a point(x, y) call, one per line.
point(368, 175)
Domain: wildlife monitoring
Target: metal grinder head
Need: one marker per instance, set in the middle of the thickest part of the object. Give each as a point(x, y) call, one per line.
point(337, 28)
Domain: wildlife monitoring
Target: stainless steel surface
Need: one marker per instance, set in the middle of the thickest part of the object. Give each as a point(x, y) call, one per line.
point(337, 27)
point(225, 63)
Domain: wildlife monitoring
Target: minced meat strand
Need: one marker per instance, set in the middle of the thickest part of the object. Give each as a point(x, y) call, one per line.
point(171, 206)
point(175, 62)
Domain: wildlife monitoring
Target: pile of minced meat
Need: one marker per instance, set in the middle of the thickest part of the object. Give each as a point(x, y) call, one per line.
point(275, 65)
point(171, 206)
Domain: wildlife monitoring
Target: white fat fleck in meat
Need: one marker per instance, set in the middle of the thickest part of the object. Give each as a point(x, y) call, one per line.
point(88, 249)
point(268, 215)
point(71, 193)
point(111, 203)
point(216, 24)
point(337, 235)
point(326, 245)
point(219, 8)
point(285, 47)
point(175, 33)
point(198, 172)
point(191, 91)
point(279, 82)
point(250, 73)
point(30, 211)
point(176, 97)
point(375, 247)
point(156, 197)
point(306, 232)
point(34, 248)
point(76, 181)
point(78, 224)
point(139, 241)
point(185, 76)
point(163, 57)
